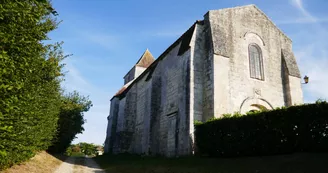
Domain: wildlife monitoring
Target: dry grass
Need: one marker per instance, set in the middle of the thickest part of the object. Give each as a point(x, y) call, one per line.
point(40, 163)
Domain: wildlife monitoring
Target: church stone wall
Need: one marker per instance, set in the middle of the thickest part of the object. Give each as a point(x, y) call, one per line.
point(130, 75)
point(221, 80)
point(197, 80)
point(112, 123)
point(295, 90)
point(124, 136)
point(121, 113)
point(197, 51)
point(171, 120)
point(208, 87)
point(141, 131)
point(138, 71)
point(157, 113)
point(238, 28)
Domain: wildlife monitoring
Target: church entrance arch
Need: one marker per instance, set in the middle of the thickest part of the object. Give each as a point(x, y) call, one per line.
point(254, 104)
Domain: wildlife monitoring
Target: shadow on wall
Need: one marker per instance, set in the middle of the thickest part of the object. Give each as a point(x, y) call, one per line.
point(285, 82)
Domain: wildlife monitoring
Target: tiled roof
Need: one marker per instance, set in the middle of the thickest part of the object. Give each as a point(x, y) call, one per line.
point(146, 59)
point(120, 91)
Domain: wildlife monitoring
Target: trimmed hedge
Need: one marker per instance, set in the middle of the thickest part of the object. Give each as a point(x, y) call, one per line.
point(301, 128)
point(30, 76)
point(34, 112)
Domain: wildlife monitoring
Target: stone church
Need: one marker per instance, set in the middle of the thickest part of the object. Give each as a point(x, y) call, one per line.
point(234, 60)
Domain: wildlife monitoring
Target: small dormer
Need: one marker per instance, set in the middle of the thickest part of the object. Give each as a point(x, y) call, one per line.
point(142, 64)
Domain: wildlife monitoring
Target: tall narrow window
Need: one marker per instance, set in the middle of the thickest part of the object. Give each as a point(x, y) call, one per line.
point(255, 62)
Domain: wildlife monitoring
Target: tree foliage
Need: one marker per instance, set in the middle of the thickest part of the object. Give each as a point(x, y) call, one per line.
point(30, 76)
point(29, 79)
point(302, 128)
point(88, 149)
point(70, 121)
point(83, 148)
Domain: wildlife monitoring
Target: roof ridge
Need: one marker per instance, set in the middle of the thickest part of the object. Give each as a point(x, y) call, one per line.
point(146, 59)
point(271, 21)
point(235, 7)
point(146, 51)
point(259, 10)
point(161, 56)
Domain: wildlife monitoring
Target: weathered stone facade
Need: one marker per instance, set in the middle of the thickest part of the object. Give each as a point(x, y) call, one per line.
point(202, 75)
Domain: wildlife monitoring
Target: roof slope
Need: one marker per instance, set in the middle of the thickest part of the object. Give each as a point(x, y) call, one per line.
point(123, 89)
point(250, 7)
point(227, 24)
point(146, 59)
point(218, 20)
point(185, 38)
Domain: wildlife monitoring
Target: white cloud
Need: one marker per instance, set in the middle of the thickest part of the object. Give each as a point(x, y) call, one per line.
point(306, 18)
point(299, 5)
point(173, 33)
point(73, 78)
point(95, 127)
point(312, 58)
point(96, 124)
point(314, 64)
point(172, 29)
point(302, 21)
point(101, 39)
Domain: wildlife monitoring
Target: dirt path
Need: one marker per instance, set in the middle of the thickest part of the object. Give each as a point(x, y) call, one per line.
point(79, 165)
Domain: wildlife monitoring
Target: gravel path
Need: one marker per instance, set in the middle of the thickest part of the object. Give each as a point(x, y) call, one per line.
point(67, 166)
point(91, 166)
point(79, 165)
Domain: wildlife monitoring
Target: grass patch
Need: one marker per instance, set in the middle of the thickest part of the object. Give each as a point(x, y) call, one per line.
point(295, 163)
point(40, 163)
point(77, 155)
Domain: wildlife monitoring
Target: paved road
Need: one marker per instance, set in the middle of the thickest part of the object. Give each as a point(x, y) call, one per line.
point(79, 165)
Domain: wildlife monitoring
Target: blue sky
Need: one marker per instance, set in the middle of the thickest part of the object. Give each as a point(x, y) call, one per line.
point(107, 37)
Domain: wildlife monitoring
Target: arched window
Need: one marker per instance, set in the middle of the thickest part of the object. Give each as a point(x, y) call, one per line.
point(255, 62)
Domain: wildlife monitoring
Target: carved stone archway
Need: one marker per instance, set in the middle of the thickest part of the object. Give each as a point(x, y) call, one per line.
point(252, 103)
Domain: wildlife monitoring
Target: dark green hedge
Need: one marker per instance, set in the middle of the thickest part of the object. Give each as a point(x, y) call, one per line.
point(30, 73)
point(301, 128)
point(34, 112)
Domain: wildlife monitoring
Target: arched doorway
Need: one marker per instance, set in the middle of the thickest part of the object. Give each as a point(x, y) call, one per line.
point(259, 107)
point(254, 104)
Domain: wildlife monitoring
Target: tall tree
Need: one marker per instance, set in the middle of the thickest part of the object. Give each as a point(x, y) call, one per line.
point(88, 149)
point(71, 120)
point(30, 75)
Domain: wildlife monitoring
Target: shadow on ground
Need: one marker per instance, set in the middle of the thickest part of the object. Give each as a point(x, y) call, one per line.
point(78, 161)
point(294, 163)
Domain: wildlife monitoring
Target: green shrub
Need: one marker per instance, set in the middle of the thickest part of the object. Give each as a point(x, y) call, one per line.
point(302, 128)
point(196, 122)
